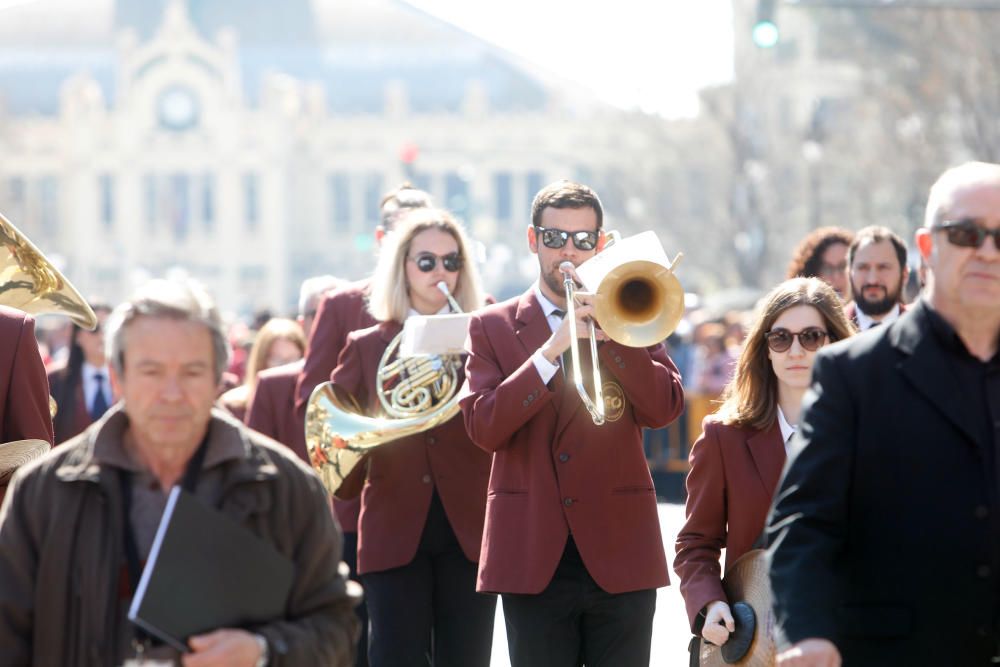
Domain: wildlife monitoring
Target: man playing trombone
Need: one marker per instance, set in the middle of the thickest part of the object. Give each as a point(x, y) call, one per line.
point(572, 540)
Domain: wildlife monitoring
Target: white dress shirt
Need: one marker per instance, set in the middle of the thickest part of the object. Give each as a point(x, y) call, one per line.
point(90, 384)
point(787, 430)
point(865, 322)
point(545, 368)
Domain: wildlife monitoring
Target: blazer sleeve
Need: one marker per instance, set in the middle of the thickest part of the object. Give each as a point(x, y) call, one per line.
point(809, 516)
point(649, 379)
point(325, 344)
point(260, 414)
point(701, 540)
point(26, 414)
point(496, 406)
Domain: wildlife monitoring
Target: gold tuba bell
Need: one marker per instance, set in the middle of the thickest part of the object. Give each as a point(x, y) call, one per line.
point(415, 393)
point(638, 302)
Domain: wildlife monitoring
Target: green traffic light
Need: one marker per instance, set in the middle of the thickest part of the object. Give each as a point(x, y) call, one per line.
point(765, 34)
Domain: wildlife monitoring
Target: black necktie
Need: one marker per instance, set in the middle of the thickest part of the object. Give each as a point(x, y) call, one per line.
point(100, 404)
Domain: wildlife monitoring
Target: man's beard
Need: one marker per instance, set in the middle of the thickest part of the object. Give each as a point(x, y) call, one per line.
point(876, 307)
point(554, 280)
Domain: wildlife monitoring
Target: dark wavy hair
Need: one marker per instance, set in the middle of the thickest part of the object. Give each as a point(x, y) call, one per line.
point(808, 255)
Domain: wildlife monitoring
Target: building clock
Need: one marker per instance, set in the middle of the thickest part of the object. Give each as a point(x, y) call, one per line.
point(177, 108)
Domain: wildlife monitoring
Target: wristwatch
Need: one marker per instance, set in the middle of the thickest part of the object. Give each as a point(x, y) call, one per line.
point(265, 653)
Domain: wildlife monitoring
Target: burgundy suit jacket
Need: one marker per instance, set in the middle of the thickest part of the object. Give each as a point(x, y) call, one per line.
point(339, 313)
point(397, 480)
point(271, 409)
point(81, 416)
point(555, 472)
point(24, 388)
point(734, 472)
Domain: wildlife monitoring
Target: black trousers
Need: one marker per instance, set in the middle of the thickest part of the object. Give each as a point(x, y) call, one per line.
point(428, 611)
point(351, 558)
point(575, 622)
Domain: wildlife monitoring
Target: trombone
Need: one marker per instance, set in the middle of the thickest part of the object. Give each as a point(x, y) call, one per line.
point(638, 302)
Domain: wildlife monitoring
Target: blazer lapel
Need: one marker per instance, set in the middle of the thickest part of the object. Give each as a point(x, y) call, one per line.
point(928, 370)
point(768, 453)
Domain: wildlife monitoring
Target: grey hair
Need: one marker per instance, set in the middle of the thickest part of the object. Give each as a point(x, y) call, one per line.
point(313, 288)
point(183, 300)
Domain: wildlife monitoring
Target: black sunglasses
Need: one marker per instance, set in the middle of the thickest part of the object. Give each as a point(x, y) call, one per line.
point(556, 238)
point(426, 261)
point(810, 338)
point(967, 234)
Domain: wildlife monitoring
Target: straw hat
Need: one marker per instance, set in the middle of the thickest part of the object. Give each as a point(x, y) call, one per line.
point(749, 590)
point(16, 453)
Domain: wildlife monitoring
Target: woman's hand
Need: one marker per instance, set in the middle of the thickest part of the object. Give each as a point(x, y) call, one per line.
point(718, 622)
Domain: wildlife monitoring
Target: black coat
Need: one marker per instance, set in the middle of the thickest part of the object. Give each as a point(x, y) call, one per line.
point(886, 516)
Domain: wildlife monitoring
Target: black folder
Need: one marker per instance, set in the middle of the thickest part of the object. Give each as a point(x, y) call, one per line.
point(206, 572)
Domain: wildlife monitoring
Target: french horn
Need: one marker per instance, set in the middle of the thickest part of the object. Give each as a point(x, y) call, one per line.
point(415, 394)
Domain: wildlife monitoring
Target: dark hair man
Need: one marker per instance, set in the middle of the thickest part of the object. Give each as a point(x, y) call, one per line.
point(572, 541)
point(886, 548)
point(340, 312)
point(78, 522)
point(878, 272)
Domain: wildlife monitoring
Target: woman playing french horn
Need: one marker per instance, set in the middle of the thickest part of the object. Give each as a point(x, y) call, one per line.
point(423, 496)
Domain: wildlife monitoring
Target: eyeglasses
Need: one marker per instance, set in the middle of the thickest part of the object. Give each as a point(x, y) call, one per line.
point(556, 238)
point(967, 234)
point(426, 261)
point(810, 338)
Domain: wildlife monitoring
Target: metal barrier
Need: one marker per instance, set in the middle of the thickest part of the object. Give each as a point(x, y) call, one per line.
point(667, 448)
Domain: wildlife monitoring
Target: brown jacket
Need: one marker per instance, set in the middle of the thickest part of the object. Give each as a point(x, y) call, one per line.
point(61, 546)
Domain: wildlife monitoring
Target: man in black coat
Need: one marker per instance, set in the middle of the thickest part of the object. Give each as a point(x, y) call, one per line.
point(886, 525)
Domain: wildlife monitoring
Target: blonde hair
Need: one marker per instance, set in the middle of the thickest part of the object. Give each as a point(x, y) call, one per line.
point(275, 328)
point(751, 397)
point(389, 297)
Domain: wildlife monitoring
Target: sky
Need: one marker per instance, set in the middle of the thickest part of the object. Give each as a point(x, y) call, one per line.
point(648, 54)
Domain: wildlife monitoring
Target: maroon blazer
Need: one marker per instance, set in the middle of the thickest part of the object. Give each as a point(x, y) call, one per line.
point(271, 409)
point(555, 472)
point(80, 420)
point(398, 479)
point(339, 313)
point(24, 388)
point(734, 472)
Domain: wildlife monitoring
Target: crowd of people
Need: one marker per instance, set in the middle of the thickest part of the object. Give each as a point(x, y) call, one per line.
point(854, 437)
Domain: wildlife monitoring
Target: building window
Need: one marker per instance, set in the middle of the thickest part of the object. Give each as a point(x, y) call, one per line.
point(208, 201)
point(149, 201)
point(179, 205)
point(456, 195)
point(503, 189)
point(421, 180)
point(48, 191)
point(106, 193)
point(373, 195)
point(251, 200)
point(339, 188)
point(14, 202)
point(533, 182)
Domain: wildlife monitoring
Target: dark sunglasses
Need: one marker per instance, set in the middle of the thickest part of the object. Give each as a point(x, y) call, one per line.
point(810, 338)
point(556, 238)
point(426, 262)
point(967, 234)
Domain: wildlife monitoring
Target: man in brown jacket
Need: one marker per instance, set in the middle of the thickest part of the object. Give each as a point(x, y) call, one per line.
point(78, 523)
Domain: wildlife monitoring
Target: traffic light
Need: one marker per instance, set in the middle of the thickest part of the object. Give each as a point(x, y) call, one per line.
point(765, 31)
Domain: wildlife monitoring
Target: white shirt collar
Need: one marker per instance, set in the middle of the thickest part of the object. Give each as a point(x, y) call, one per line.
point(787, 430)
point(444, 311)
point(543, 301)
point(865, 322)
point(88, 372)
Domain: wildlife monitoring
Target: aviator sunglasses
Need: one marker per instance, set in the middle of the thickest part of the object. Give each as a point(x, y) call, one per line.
point(810, 338)
point(556, 238)
point(967, 234)
point(425, 261)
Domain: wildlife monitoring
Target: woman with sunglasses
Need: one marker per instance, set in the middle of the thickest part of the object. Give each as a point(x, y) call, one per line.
point(737, 461)
point(423, 497)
